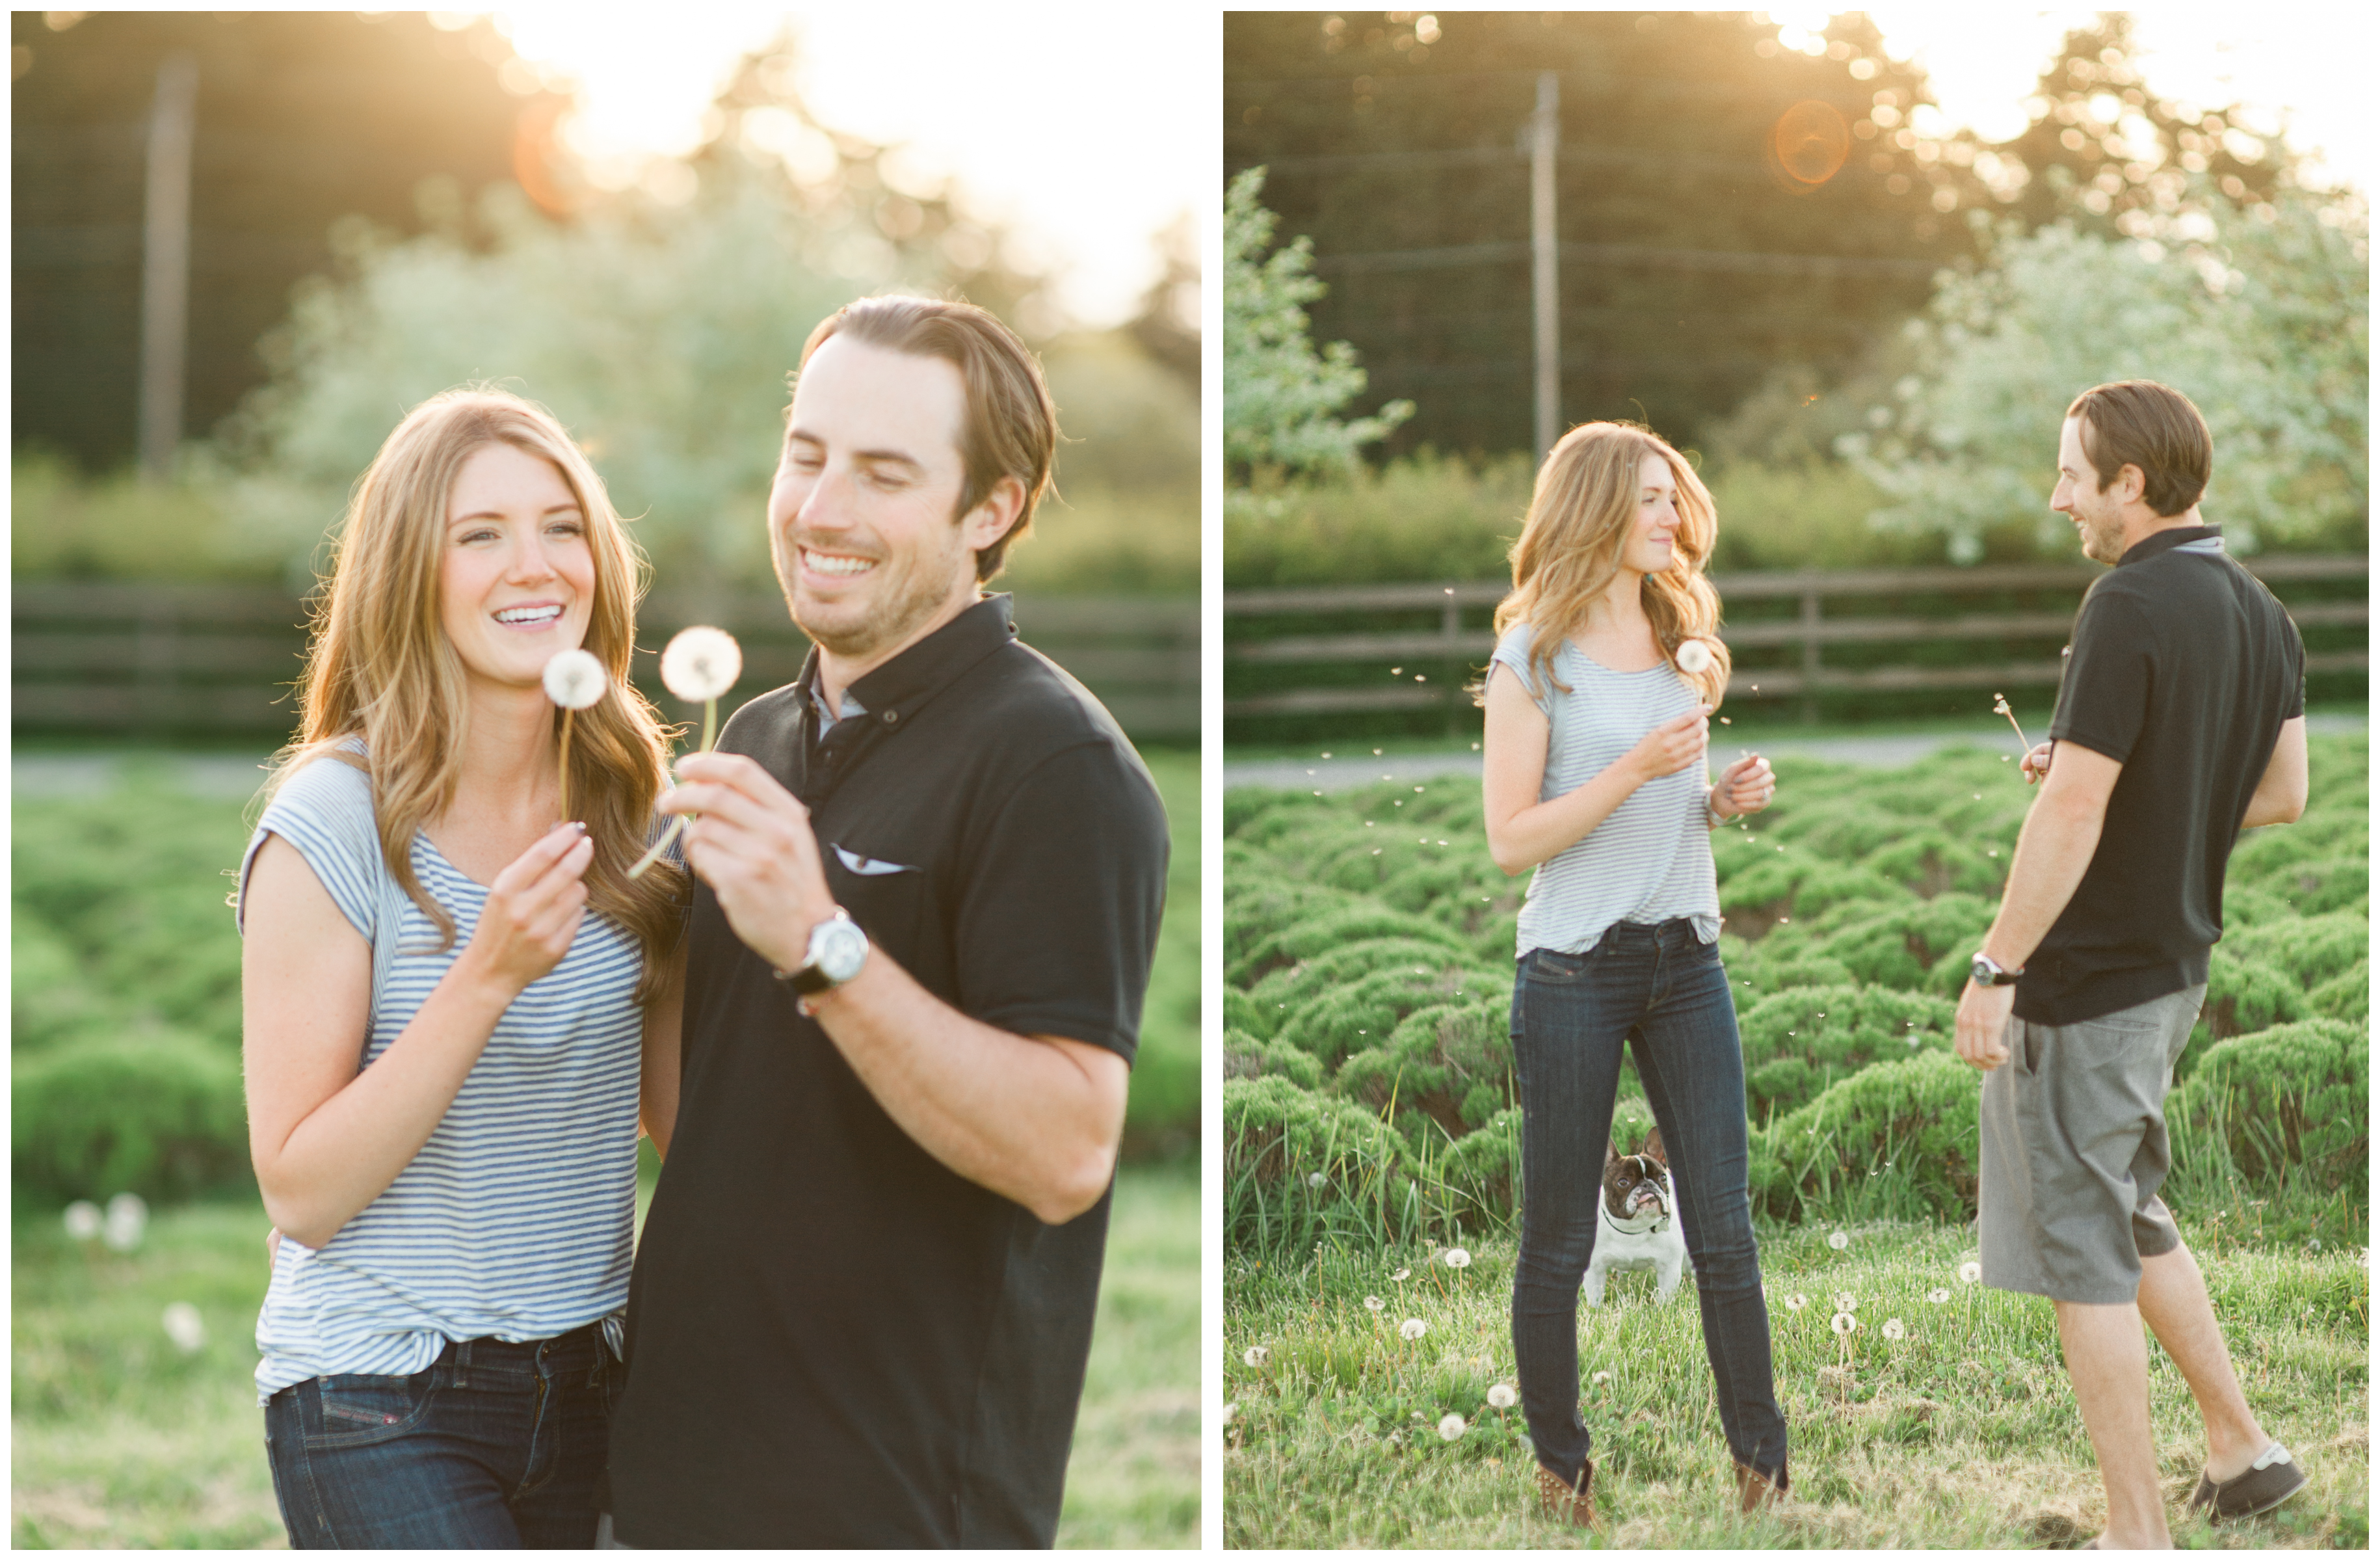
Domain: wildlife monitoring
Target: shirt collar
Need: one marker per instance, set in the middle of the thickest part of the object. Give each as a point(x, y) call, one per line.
point(894, 690)
point(2172, 537)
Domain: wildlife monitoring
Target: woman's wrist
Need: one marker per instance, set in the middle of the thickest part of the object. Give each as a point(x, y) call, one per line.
point(1710, 802)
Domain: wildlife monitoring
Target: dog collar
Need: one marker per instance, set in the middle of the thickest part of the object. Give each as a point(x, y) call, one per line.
point(1631, 1226)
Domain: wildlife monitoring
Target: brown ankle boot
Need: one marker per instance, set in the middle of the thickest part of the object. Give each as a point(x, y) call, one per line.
point(1569, 1504)
point(1754, 1490)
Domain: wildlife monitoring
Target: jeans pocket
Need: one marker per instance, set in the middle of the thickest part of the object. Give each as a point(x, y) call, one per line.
point(1555, 968)
point(358, 1411)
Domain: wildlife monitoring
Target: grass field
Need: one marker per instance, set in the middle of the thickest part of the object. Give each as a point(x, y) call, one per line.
point(1963, 1433)
point(119, 1440)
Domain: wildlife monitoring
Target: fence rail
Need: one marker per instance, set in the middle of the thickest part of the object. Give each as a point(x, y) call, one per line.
point(1453, 641)
point(139, 659)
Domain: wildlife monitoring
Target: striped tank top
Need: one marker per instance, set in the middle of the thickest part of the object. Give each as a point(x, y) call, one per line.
point(515, 1219)
point(1650, 861)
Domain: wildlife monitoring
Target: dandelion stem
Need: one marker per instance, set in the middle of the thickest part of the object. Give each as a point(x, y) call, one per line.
point(2000, 703)
point(709, 731)
point(566, 714)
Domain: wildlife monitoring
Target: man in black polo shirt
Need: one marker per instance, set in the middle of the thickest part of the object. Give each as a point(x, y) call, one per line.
point(930, 878)
point(2180, 720)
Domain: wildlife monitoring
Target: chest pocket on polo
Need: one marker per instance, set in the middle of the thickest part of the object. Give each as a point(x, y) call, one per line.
point(887, 898)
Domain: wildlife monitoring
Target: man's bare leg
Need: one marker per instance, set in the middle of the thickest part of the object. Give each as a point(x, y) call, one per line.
point(2173, 1302)
point(2108, 1357)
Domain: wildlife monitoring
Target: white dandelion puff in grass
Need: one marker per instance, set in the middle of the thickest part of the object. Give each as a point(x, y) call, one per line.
point(1451, 1428)
point(1693, 657)
point(1971, 1271)
point(1316, 1179)
point(184, 1327)
point(1255, 1356)
point(1838, 1240)
point(127, 1218)
point(1229, 1410)
point(1501, 1396)
point(1796, 1302)
point(1600, 1377)
point(1412, 1328)
point(1457, 1258)
point(1846, 1301)
point(1401, 1276)
point(1843, 1324)
point(1374, 1303)
point(1937, 1297)
point(1893, 1330)
point(83, 1220)
point(701, 664)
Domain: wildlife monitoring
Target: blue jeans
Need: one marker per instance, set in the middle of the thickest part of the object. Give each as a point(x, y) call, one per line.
point(1663, 991)
point(495, 1446)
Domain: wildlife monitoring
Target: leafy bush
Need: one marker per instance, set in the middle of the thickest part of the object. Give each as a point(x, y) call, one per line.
point(161, 1116)
point(1842, 948)
point(1302, 1167)
point(2288, 1100)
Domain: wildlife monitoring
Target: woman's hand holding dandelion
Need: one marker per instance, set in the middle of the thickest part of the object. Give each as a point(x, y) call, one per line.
point(1745, 786)
point(532, 912)
point(1673, 745)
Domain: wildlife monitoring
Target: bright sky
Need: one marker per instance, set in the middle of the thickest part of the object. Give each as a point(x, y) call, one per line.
point(1085, 129)
point(2311, 61)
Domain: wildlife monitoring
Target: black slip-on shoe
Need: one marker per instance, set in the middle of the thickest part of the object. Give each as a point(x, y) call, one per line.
point(2273, 1478)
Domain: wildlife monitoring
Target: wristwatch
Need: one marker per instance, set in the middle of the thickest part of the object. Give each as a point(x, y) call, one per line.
point(837, 950)
point(1989, 971)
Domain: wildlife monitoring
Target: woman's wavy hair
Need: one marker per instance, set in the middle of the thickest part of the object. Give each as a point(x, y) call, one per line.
point(1568, 551)
point(381, 667)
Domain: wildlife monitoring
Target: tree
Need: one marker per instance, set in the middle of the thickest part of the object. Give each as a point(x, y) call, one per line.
point(1280, 395)
point(2266, 325)
point(1705, 240)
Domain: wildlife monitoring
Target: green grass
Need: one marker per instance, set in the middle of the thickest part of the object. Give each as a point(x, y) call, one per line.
point(119, 1440)
point(1963, 1434)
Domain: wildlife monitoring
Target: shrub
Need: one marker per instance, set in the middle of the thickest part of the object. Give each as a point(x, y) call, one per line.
point(2293, 1096)
point(1244, 1056)
point(2245, 994)
point(1277, 1138)
point(1798, 1043)
point(1916, 1117)
point(1318, 933)
point(1921, 946)
point(1929, 861)
point(2346, 996)
point(1361, 1015)
point(161, 1115)
point(1450, 1061)
point(2309, 950)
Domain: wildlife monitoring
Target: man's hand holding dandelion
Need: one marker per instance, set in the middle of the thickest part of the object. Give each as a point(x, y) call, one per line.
point(754, 846)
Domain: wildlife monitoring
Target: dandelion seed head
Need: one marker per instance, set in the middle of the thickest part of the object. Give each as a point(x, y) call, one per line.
point(1374, 1303)
point(701, 663)
point(1451, 1428)
point(1600, 1377)
point(1457, 1258)
point(1412, 1328)
point(184, 1327)
point(1971, 1271)
point(1937, 1297)
point(1316, 1179)
point(1693, 657)
point(1846, 1301)
point(127, 1218)
point(1401, 1275)
point(1256, 1356)
point(1843, 1324)
point(1796, 1302)
point(1501, 1396)
point(82, 1219)
point(574, 679)
point(1230, 1410)
point(1892, 1328)
point(1838, 1240)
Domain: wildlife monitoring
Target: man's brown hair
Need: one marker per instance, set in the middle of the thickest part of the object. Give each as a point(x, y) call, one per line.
point(2155, 427)
point(1011, 427)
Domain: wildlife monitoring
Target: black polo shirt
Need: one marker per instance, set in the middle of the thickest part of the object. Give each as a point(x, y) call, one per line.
point(2182, 669)
point(833, 1338)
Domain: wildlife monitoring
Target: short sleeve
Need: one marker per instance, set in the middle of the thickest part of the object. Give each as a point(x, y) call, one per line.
point(1512, 651)
point(1058, 921)
point(325, 810)
point(2104, 697)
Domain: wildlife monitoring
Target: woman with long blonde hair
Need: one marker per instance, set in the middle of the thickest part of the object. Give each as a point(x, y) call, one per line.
point(450, 993)
point(1606, 672)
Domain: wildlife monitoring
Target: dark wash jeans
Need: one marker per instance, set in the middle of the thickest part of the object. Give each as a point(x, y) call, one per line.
point(1663, 991)
point(493, 1446)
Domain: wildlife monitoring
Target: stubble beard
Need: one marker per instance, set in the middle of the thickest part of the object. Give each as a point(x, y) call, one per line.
point(911, 599)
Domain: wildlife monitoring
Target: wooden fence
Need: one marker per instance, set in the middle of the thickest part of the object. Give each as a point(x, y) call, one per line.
point(1778, 628)
point(152, 660)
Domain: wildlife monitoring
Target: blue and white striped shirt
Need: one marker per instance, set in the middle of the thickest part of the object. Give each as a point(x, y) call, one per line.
point(515, 1221)
point(1650, 859)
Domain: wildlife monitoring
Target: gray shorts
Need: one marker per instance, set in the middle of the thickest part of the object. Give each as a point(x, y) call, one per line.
point(2074, 1149)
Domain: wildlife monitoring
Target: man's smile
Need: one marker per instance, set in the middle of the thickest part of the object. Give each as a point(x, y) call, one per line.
point(843, 564)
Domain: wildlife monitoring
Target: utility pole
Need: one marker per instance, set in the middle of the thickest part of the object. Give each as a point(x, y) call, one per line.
point(166, 265)
point(1544, 251)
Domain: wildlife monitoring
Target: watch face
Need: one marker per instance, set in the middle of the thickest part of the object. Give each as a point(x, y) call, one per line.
point(840, 950)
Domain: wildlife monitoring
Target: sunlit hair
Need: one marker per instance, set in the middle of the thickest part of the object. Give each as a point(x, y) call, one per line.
point(1012, 424)
point(380, 666)
point(1568, 551)
point(2154, 427)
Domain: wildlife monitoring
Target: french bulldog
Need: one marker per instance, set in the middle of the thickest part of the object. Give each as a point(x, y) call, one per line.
point(1637, 1221)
